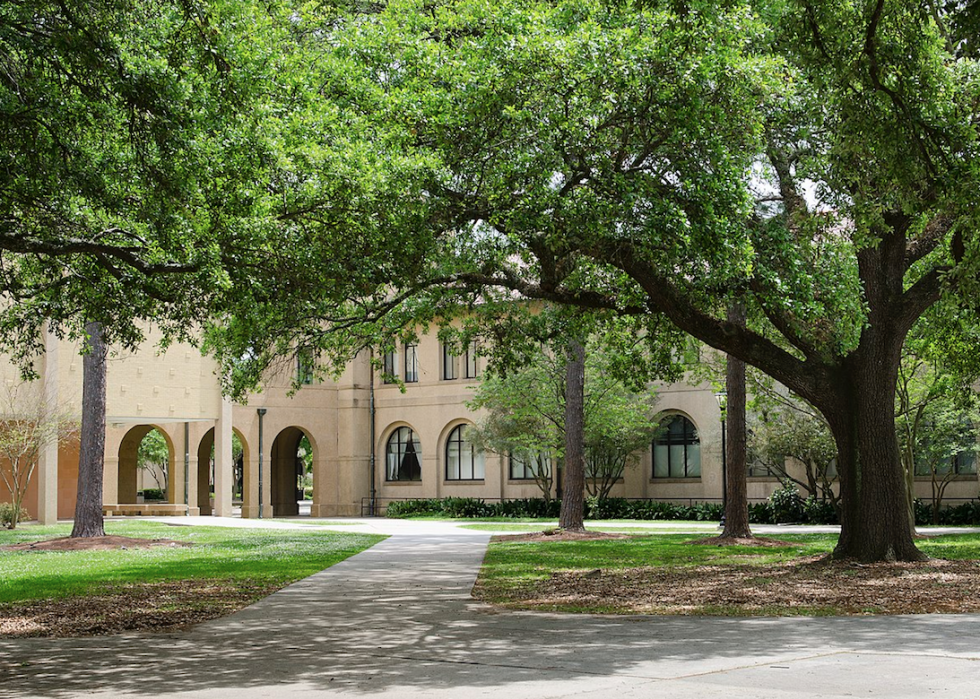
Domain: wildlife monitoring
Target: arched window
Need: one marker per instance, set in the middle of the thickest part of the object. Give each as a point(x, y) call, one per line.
point(464, 460)
point(403, 456)
point(677, 450)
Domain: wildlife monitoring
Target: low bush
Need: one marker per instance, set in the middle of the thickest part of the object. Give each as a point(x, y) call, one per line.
point(153, 495)
point(7, 512)
point(407, 508)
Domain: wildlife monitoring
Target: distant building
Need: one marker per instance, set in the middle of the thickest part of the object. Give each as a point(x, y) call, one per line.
point(371, 441)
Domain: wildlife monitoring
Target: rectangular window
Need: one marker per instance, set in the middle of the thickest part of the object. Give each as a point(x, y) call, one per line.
point(525, 467)
point(469, 357)
point(411, 363)
point(450, 362)
point(304, 368)
point(390, 367)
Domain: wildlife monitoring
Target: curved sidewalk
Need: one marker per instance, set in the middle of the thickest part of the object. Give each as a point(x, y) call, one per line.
point(397, 621)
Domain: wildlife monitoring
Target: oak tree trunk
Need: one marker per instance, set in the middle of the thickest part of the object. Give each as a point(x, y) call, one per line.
point(875, 524)
point(737, 501)
point(91, 458)
point(572, 516)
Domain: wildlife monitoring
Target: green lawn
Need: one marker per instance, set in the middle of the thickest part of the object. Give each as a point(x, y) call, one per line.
point(264, 557)
point(618, 526)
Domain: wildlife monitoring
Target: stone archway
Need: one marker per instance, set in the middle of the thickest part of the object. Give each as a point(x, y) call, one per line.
point(287, 471)
point(205, 470)
point(128, 472)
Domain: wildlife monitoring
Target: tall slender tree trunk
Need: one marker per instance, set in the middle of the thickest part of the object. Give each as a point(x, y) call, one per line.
point(572, 517)
point(737, 502)
point(91, 458)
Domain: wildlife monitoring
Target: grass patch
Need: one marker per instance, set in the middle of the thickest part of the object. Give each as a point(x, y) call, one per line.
point(664, 574)
point(220, 555)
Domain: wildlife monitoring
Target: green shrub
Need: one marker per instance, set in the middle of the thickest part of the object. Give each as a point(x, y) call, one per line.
point(608, 508)
point(528, 507)
point(153, 494)
point(819, 512)
point(760, 513)
point(466, 507)
point(7, 511)
point(407, 508)
point(786, 505)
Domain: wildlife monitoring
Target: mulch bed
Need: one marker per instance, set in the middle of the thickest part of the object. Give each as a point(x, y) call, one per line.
point(92, 543)
point(163, 606)
point(804, 586)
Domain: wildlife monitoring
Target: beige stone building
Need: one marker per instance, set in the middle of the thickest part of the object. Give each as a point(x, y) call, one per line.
point(371, 441)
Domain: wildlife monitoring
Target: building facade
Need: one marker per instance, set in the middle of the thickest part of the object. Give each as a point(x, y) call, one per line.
point(371, 442)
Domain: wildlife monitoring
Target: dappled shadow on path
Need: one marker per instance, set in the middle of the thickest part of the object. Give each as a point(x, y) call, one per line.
point(399, 617)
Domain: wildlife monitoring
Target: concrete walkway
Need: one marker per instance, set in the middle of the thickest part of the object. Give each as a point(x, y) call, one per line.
point(397, 621)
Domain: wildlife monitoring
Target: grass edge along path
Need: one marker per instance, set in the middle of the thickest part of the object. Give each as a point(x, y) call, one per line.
point(157, 588)
point(665, 574)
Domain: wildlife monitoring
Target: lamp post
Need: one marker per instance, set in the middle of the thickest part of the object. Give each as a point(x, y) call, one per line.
point(722, 398)
point(261, 412)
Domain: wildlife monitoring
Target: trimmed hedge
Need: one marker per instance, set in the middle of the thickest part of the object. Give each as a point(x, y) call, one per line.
point(783, 507)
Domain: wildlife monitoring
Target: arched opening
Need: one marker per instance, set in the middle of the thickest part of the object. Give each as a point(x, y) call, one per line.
point(291, 473)
point(205, 471)
point(146, 458)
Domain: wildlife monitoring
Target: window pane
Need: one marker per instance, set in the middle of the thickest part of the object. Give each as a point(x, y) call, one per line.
point(694, 460)
point(449, 362)
point(411, 364)
point(390, 368)
point(677, 461)
point(660, 461)
point(476, 459)
point(471, 361)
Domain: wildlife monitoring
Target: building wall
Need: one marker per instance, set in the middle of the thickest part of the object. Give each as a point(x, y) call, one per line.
point(348, 422)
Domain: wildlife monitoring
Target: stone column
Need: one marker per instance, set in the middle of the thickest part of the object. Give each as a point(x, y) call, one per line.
point(47, 467)
point(224, 464)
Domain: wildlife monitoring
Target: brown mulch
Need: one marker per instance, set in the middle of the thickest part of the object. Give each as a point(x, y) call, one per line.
point(814, 585)
point(92, 543)
point(163, 606)
point(560, 535)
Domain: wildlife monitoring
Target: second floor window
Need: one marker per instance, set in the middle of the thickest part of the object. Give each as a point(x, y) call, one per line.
point(411, 363)
point(450, 362)
point(469, 361)
point(390, 367)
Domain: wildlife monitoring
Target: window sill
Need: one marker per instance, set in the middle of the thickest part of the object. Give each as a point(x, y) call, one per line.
point(465, 481)
point(692, 479)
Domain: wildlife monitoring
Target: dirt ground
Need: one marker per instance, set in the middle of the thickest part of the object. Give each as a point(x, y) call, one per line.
point(812, 585)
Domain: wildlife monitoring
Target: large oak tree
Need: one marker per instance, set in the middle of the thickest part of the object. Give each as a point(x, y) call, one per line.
point(814, 161)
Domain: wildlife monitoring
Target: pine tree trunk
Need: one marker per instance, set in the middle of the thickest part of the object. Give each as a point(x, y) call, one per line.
point(737, 502)
point(91, 458)
point(875, 523)
point(572, 517)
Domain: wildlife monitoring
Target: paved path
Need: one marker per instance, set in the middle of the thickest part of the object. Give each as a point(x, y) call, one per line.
point(397, 621)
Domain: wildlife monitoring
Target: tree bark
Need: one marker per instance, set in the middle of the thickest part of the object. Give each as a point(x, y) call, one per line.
point(91, 458)
point(737, 501)
point(875, 523)
point(572, 517)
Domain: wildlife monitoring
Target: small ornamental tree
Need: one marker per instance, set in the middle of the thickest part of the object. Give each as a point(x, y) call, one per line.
point(525, 416)
point(28, 425)
point(153, 457)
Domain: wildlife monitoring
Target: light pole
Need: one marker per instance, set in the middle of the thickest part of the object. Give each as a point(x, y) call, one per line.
point(261, 412)
point(722, 398)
